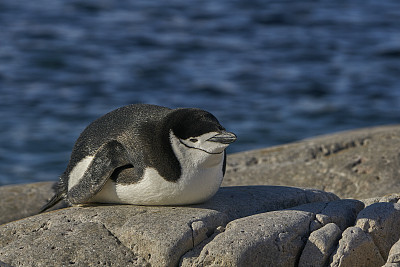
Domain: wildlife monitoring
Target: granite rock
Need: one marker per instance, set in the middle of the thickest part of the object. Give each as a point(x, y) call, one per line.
point(357, 249)
point(355, 164)
point(382, 222)
point(394, 255)
point(246, 241)
point(341, 212)
point(139, 235)
point(320, 244)
point(20, 201)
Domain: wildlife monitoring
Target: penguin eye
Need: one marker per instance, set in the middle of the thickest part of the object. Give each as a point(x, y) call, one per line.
point(193, 140)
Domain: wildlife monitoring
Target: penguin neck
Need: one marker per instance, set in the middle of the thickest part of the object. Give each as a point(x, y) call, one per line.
point(191, 158)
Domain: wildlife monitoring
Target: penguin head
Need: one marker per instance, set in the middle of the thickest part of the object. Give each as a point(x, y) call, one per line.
point(199, 130)
point(211, 143)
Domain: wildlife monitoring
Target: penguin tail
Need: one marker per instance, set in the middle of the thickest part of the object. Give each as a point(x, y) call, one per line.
point(58, 196)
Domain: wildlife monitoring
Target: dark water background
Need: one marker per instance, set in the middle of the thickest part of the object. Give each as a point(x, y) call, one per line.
point(271, 71)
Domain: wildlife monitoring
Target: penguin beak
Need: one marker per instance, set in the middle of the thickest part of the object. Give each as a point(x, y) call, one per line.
point(223, 138)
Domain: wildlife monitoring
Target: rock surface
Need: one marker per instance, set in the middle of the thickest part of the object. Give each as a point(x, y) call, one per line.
point(20, 201)
point(320, 245)
point(138, 235)
point(394, 256)
point(355, 164)
point(356, 248)
point(247, 225)
point(246, 241)
point(382, 222)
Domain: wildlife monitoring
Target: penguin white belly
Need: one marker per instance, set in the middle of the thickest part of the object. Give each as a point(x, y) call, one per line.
point(194, 186)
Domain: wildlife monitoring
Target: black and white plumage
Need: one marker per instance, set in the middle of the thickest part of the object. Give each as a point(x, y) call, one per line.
point(146, 155)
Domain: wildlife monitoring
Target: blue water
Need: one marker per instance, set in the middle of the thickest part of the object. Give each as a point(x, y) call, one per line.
point(272, 71)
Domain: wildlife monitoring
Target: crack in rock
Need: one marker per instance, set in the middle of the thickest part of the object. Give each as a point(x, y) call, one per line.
point(142, 261)
point(113, 235)
point(191, 229)
point(356, 248)
point(319, 246)
point(191, 255)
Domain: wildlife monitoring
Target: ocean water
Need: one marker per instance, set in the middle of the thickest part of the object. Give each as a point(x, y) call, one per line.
point(273, 72)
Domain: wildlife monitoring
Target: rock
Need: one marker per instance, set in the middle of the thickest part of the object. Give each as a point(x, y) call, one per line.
point(391, 265)
point(382, 222)
point(355, 164)
point(394, 256)
point(320, 245)
point(245, 239)
point(146, 235)
point(369, 243)
point(393, 198)
point(357, 249)
point(20, 201)
point(341, 212)
point(52, 243)
point(268, 239)
point(369, 201)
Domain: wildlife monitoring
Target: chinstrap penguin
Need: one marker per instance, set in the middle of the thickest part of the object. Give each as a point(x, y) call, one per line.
point(146, 155)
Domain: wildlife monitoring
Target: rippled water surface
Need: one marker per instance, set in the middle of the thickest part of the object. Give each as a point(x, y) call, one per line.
point(271, 71)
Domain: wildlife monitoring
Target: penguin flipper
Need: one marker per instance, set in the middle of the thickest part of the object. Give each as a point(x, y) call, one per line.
point(107, 158)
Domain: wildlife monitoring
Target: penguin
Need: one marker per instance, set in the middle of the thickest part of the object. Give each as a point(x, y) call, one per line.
point(146, 154)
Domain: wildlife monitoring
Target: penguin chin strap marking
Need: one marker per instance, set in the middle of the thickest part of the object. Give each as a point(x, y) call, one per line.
point(211, 153)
